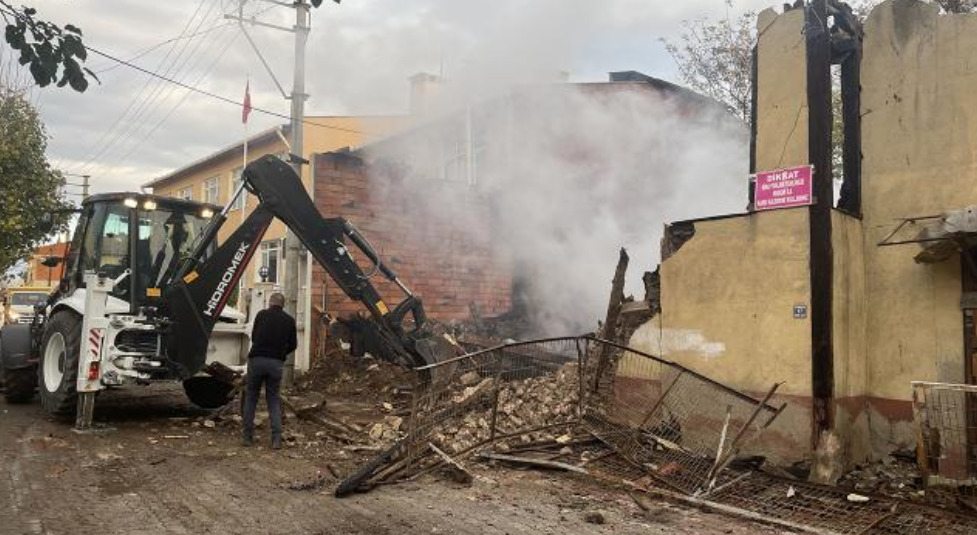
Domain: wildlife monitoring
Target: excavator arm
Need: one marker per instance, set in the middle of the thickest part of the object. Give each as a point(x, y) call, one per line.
point(202, 286)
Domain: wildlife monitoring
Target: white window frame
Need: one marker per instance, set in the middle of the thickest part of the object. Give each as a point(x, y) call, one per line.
point(185, 193)
point(242, 200)
point(455, 162)
point(212, 190)
point(264, 250)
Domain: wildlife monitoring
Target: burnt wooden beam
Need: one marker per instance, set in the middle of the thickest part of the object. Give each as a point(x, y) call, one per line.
point(821, 253)
point(609, 332)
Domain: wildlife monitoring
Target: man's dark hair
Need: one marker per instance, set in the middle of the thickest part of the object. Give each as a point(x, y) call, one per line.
point(276, 299)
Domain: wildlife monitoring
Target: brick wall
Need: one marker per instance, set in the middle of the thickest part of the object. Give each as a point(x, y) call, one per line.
point(39, 275)
point(436, 236)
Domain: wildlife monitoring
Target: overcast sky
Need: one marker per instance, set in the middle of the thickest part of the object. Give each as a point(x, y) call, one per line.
point(132, 128)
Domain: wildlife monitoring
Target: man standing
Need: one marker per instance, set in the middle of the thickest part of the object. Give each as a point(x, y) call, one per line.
point(272, 339)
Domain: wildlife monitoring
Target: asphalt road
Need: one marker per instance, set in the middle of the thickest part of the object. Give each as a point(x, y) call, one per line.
point(135, 480)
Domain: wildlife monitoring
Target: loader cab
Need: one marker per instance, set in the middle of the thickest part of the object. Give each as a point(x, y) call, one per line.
point(146, 234)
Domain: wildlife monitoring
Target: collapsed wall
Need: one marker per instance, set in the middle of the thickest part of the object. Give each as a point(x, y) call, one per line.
point(727, 300)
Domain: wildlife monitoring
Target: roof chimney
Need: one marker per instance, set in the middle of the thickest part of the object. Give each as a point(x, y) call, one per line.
point(424, 91)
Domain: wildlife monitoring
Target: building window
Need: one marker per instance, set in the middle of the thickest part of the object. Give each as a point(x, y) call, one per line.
point(185, 193)
point(236, 178)
point(462, 154)
point(269, 256)
point(455, 163)
point(211, 190)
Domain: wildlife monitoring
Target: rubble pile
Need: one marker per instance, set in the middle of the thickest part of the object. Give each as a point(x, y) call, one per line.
point(893, 476)
point(358, 378)
point(525, 404)
point(478, 332)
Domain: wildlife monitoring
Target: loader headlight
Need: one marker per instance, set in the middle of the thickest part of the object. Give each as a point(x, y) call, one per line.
point(130, 202)
point(149, 205)
point(206, 213)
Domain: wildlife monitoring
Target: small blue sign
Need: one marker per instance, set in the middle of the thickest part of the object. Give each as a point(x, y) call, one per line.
point(800, 312)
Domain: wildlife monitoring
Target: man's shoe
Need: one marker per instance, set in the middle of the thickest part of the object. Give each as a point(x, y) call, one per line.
point(276, 443)
point(247, 441)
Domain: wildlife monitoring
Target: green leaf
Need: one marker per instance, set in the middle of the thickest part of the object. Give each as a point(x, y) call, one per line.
point(40, 74)
point(71, 46)
point(26, 55)
point(78, 83)
point(14, 36)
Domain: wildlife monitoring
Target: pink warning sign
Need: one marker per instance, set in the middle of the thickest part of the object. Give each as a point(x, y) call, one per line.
point(783, 188)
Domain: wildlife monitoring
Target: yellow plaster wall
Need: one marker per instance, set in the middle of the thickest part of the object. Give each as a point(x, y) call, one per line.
point(849, 316)
point(919, 139)
point(727, 298)
point(727, 303)
point(781, 91)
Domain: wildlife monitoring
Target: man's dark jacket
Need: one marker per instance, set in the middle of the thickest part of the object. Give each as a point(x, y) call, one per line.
point(273, 335)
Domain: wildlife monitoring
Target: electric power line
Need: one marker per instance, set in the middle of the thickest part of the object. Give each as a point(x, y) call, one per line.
point(216, 96)
point(146, 94)
point(179, 103)
point(185, 62)
point(105, 140)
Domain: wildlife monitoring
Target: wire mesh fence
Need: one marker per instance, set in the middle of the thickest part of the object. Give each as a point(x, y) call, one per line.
point(684, 429)
point(946, 425)
point(523, 391)
point(667, 428)
point(674, 425)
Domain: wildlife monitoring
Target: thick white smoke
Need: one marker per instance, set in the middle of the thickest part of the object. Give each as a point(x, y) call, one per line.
point(573, 172)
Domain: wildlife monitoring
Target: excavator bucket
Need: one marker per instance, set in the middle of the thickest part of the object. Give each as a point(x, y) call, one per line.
point(433, 350)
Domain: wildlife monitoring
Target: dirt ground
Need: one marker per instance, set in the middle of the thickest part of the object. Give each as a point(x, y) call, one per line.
point(161, 471)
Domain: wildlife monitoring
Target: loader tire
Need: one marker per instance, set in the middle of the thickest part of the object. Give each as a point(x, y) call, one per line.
point(19, 385)
point(57, 370)
point(16, 370)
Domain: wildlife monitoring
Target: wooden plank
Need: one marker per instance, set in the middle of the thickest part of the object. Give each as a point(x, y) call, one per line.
point(458, 472)
point(529, 461)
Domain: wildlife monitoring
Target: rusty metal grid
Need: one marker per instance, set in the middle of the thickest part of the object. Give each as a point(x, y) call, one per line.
point(679, 426)
point(673, 430)
point(946, 428)
point(682, 428)
point(799, 504)
point(909, 519)
point(804, 504)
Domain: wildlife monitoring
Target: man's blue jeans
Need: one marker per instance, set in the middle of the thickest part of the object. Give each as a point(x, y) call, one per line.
point(267, 372)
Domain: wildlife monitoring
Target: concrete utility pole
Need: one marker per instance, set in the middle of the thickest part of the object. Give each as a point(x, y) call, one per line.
point(293, 249)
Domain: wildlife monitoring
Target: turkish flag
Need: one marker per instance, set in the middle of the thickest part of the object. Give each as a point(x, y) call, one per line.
point(247, 102)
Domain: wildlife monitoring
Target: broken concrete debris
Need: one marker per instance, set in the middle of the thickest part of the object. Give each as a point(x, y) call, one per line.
point(524, 404)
